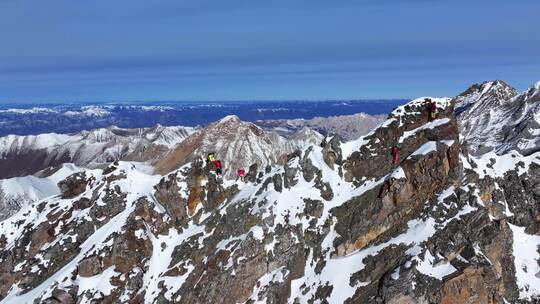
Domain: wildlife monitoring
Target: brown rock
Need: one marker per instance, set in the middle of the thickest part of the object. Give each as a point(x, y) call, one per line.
point(473, 286)
point(73, 185)
point(89, 267)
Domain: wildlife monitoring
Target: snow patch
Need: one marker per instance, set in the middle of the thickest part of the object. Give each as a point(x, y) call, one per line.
point(526, 257)
point(438, 271)
point(99, 285)
point(430, 125)
point(430, 146)
point(398, 173)
point(491, 164)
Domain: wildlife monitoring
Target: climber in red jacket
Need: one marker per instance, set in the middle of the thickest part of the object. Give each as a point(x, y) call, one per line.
point(395, 155)
point(240, 174)
point(217, 163)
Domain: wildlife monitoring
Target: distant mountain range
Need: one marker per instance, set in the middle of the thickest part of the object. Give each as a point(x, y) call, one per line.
point(348, 127)
point(69, 118)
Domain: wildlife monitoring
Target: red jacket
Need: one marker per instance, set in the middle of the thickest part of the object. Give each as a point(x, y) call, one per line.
point(395, 154)
point(217, 163)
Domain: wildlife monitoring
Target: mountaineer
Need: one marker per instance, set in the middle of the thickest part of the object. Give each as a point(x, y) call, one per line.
point(240, 174)
point(217, 163)
point(395, 155)
point(432, 108)
point(210, 158)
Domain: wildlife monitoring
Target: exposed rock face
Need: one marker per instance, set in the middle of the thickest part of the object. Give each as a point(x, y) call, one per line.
point(494, 117)
point(73, 185)
point(337, 223)
point(168, 194)
point(332, 152)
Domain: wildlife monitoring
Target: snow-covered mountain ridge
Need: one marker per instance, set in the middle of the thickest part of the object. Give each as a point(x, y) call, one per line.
point(237, 144)
point(24, 155)
point(21, 191)
point(337, 222)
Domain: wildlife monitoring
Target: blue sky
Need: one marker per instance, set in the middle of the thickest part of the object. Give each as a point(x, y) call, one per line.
point(262, 50)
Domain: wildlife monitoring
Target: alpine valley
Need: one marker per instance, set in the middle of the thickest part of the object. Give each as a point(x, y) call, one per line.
point(323, 215)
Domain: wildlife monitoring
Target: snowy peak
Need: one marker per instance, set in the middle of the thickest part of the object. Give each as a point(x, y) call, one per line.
point(237, 144)
point(493, 116)
point(489, 93)
point(99, 135)
point(533, 92)
point(229, 119)
point(231, 124)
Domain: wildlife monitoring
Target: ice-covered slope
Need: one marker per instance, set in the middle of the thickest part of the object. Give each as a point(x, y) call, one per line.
point(337, 223)
point(21, 191)
point(493, 116)
point(24, 155)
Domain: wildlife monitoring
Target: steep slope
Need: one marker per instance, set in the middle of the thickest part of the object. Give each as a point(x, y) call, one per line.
point(20, 191)
point(348, 127)
point(237, 144)
point(25, 155)
point(493, 116)
point(337, 223)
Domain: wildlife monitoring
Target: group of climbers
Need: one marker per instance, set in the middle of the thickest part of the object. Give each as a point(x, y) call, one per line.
point(431, 109)
point(429, 104)
point(211, 158)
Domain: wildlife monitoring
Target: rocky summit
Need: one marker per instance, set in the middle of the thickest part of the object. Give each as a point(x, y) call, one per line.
point(337, 222)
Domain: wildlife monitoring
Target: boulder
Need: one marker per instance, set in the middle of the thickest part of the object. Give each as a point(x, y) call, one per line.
point(73, 185)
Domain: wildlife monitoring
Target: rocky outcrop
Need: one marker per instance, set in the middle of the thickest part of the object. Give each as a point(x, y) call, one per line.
point(73, 185)
point(332, 152)
point(168, 194)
